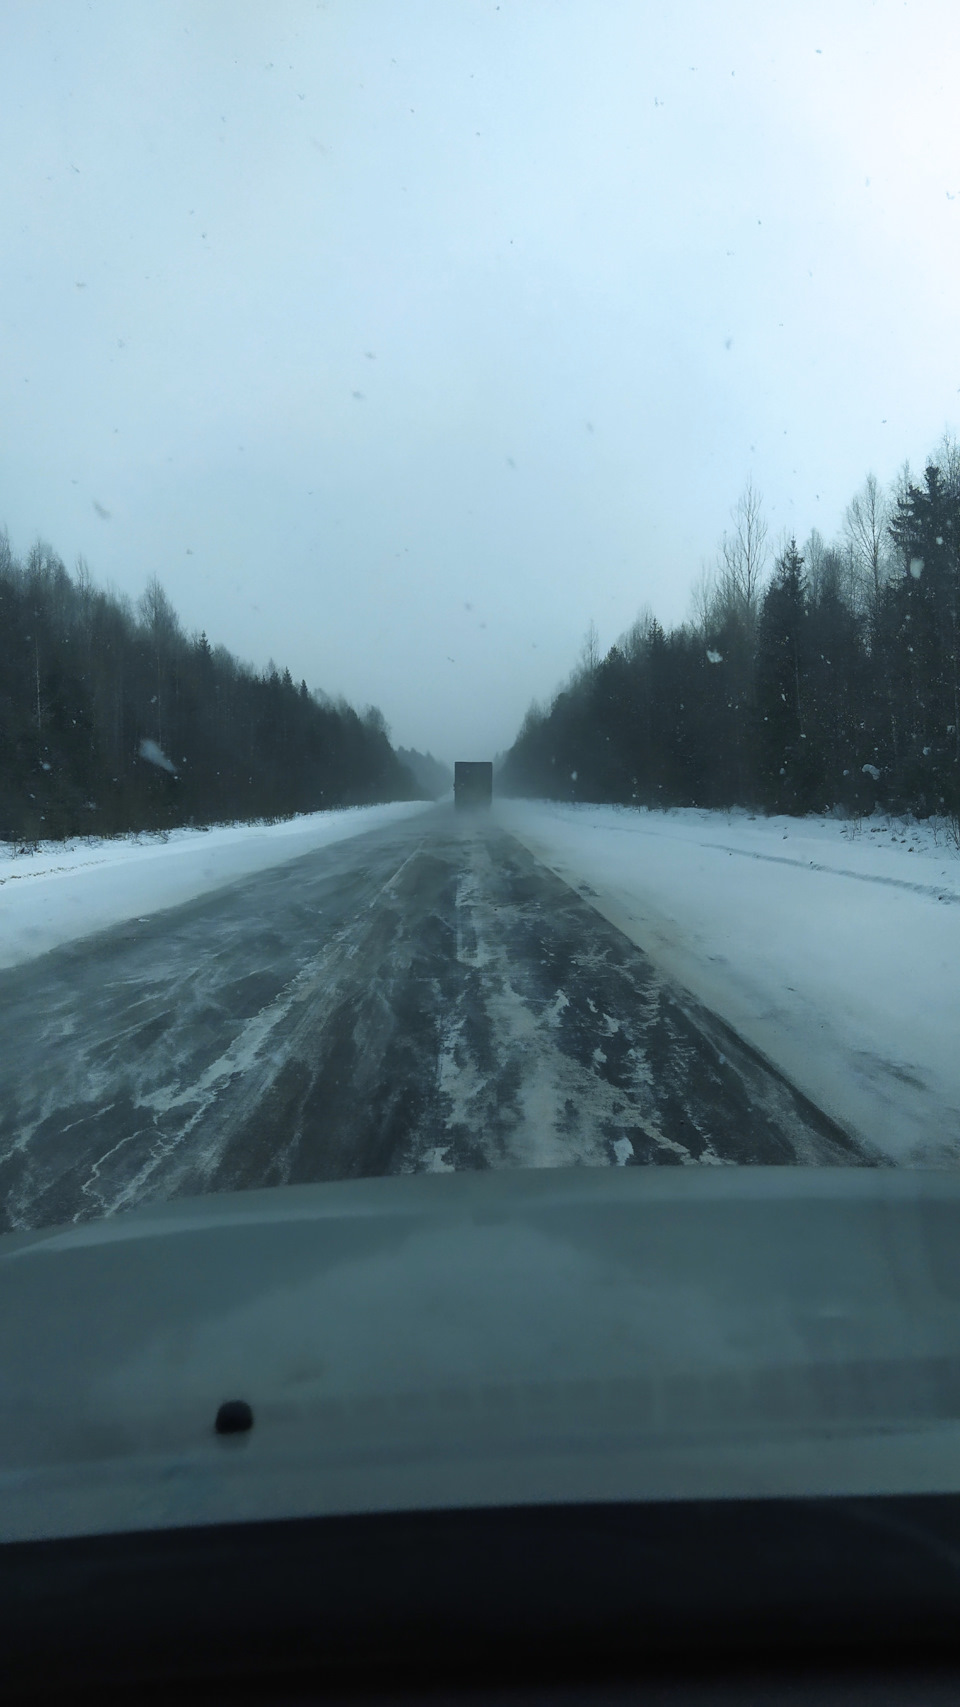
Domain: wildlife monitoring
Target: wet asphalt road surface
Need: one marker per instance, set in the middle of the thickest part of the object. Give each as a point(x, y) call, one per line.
point(421, 997)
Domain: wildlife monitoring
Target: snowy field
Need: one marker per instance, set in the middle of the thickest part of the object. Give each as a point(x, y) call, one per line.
point(834, 948)
point(66, 890)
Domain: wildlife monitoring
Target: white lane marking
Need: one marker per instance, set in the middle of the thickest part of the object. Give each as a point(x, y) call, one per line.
point(392, 880)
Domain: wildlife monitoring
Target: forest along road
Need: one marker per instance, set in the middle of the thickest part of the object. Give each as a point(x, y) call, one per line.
point(424, 996)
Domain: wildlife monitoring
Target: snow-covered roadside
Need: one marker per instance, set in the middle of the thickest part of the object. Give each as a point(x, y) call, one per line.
point(66, 890)
point(831, 947)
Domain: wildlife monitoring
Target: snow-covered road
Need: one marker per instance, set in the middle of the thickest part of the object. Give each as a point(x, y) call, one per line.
point(394, 988)
point(833, 948)
point(425, 996)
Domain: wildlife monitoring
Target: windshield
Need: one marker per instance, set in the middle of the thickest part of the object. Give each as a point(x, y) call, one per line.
point(479, 654)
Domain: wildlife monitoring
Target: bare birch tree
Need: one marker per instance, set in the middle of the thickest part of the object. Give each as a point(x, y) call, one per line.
point(743, 554)
point(865, 528)
point(703, 601)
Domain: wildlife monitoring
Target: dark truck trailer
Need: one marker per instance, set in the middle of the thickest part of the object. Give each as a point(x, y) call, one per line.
point(472, 782)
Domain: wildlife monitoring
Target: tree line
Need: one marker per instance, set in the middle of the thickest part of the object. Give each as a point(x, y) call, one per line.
point(432, 776)
point(831, 682)
point(112, 718)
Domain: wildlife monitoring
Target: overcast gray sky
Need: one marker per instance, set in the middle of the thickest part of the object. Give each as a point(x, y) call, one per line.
point(402, 338)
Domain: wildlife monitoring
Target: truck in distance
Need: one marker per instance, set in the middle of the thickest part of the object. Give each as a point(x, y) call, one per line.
point(472, 782)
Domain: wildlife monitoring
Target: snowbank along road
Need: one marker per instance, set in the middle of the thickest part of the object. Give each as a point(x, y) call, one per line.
point(423, 996)
point(831, 946)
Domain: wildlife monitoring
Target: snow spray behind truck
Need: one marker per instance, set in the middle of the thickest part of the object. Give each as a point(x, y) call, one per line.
point(472, 782)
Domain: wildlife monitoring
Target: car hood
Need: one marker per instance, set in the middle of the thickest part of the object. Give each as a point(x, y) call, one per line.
point(483, 1339)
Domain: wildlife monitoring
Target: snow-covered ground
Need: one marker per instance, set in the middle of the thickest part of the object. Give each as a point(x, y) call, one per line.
point(832, 947)
point(65, 890)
